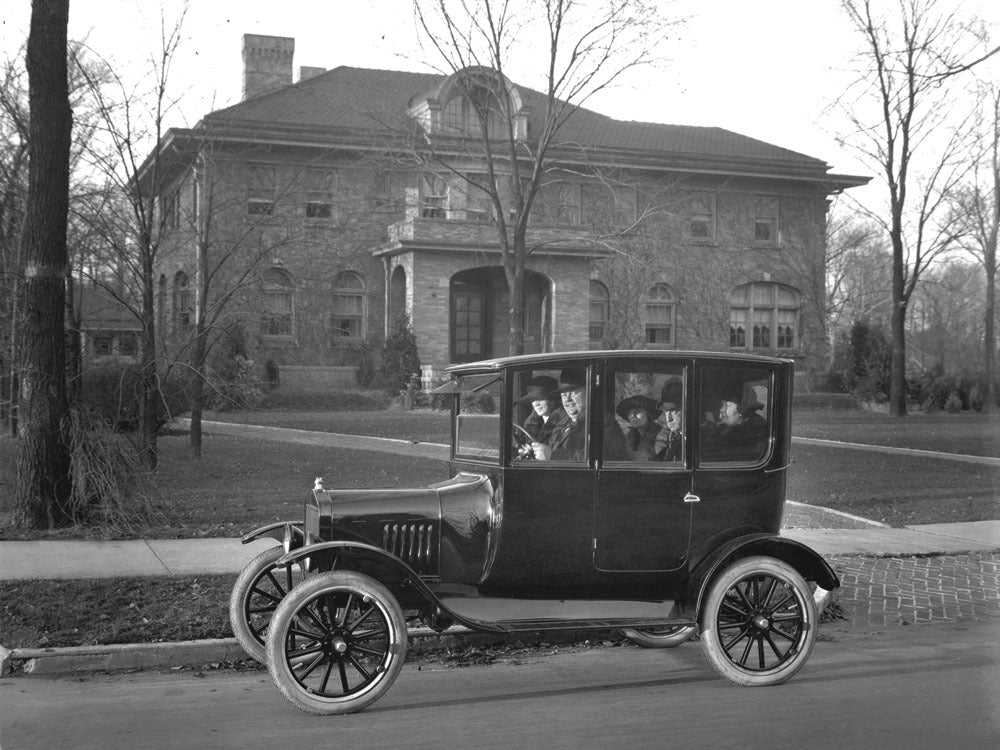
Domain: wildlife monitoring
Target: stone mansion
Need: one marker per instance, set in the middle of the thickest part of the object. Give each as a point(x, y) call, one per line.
point(321, 227)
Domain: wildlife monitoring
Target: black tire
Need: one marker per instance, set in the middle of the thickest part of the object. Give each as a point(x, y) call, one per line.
point(660, 637)
point(336, 643)
point(258, 590)
point(758, 623)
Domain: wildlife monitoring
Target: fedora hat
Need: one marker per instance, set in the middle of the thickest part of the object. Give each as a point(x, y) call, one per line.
point(572, 379)
point(540, 388)
point(671, 397)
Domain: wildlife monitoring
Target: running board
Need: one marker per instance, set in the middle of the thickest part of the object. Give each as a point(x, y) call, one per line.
point(511, 615)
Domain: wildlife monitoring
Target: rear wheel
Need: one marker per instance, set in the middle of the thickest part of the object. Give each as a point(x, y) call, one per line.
point(336, 643)
point(667, 637)
point(758, 624)
point(258, 590)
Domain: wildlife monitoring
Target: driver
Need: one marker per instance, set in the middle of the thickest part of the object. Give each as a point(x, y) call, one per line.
point(545, 412)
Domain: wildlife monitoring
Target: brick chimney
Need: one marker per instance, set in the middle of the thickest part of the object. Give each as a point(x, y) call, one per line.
point(267, 63)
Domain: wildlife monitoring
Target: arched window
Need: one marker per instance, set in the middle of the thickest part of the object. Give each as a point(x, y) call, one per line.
point(658, 316)
point(348, 317)
point(764, 315)
point(183, 307)
point(277, 317)
point(599, 311)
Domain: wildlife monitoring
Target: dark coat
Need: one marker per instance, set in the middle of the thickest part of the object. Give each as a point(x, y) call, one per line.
point(641, 444)
point(669, 445)
point(541, 429)
point(744, 441)
point(569, 440)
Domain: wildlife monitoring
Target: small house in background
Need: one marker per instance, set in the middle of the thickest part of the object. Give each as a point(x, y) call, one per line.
point(109, 332)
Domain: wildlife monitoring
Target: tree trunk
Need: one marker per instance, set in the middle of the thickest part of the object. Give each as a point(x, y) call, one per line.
point(43, 484)
point(990, 343)
point(149, 397)
point(198, 357)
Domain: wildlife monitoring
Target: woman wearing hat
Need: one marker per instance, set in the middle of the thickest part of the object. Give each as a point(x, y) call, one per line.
point(544, 400)
point(641, 413)
point(741, 433)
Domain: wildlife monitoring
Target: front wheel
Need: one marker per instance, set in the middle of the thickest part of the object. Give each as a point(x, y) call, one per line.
point(758, 624)
point(336, 643)
point(258, 590)
point(668, 637)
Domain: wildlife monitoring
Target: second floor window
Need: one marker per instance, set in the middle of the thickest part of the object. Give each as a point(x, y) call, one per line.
point(260, 190)
point(433, 197)
point(701, 222)
point(348, 315)
point(658, 316)
point(765, 223)
point(319, 193)
point(625, 206)
point(279, 304)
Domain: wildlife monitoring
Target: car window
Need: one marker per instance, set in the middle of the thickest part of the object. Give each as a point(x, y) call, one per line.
point(550, 415)
point(645, 407)
point(735, 408)
point(477, 421)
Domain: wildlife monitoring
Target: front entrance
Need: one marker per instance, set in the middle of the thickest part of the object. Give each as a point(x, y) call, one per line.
point(478, 321)
point(470, 339)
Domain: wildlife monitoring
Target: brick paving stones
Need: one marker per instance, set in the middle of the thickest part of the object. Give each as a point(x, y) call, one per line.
point(879, 591)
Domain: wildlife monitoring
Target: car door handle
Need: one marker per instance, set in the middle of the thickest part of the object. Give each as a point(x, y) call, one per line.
point(691, 498)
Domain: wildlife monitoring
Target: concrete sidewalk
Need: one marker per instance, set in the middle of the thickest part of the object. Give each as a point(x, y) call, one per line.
point(188, 557)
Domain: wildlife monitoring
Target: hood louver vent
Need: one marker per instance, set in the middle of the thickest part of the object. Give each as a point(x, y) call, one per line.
point(411, 542)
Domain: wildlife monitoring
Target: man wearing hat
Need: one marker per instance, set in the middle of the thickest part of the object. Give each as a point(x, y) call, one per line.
point(569, 439)
point(669, 444)
point(545, 414)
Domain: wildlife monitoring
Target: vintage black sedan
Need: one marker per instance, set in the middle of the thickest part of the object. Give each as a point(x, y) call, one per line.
point(632, 490)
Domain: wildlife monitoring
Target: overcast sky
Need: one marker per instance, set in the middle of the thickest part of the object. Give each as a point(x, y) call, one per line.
point(769, 69)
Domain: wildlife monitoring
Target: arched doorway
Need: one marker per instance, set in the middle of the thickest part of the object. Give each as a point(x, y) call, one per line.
point(479, 326)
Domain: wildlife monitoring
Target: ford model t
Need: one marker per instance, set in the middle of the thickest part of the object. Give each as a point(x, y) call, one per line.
point(639, 491)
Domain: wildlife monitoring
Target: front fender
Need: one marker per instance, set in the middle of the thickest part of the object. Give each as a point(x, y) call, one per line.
point(404, 582)
point(809, 563)
point(289, 533)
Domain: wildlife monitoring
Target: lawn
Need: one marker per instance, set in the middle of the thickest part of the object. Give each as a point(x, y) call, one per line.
point(243, 482)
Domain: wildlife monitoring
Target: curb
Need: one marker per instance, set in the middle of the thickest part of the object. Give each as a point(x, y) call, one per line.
point(123, 656)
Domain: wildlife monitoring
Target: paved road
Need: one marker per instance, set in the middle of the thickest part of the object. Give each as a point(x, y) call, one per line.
point(926, 686)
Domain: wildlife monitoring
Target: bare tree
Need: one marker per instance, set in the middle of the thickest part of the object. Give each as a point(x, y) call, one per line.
point(908, 124)
point(13, 191)
point(43, 457)
point(977, 208)
point(588, 46)
point(131, 123)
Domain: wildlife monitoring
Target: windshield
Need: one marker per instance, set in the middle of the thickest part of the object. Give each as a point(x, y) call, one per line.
point(477, 425)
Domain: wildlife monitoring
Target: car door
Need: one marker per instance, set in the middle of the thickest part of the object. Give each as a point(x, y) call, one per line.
point(547, 503)
point(740, 468)
point(642, 509)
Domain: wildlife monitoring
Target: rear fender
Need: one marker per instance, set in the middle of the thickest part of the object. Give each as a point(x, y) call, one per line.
point(289, 533)
point(805, 560)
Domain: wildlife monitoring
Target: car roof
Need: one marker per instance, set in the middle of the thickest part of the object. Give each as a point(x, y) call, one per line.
point(557, 359)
